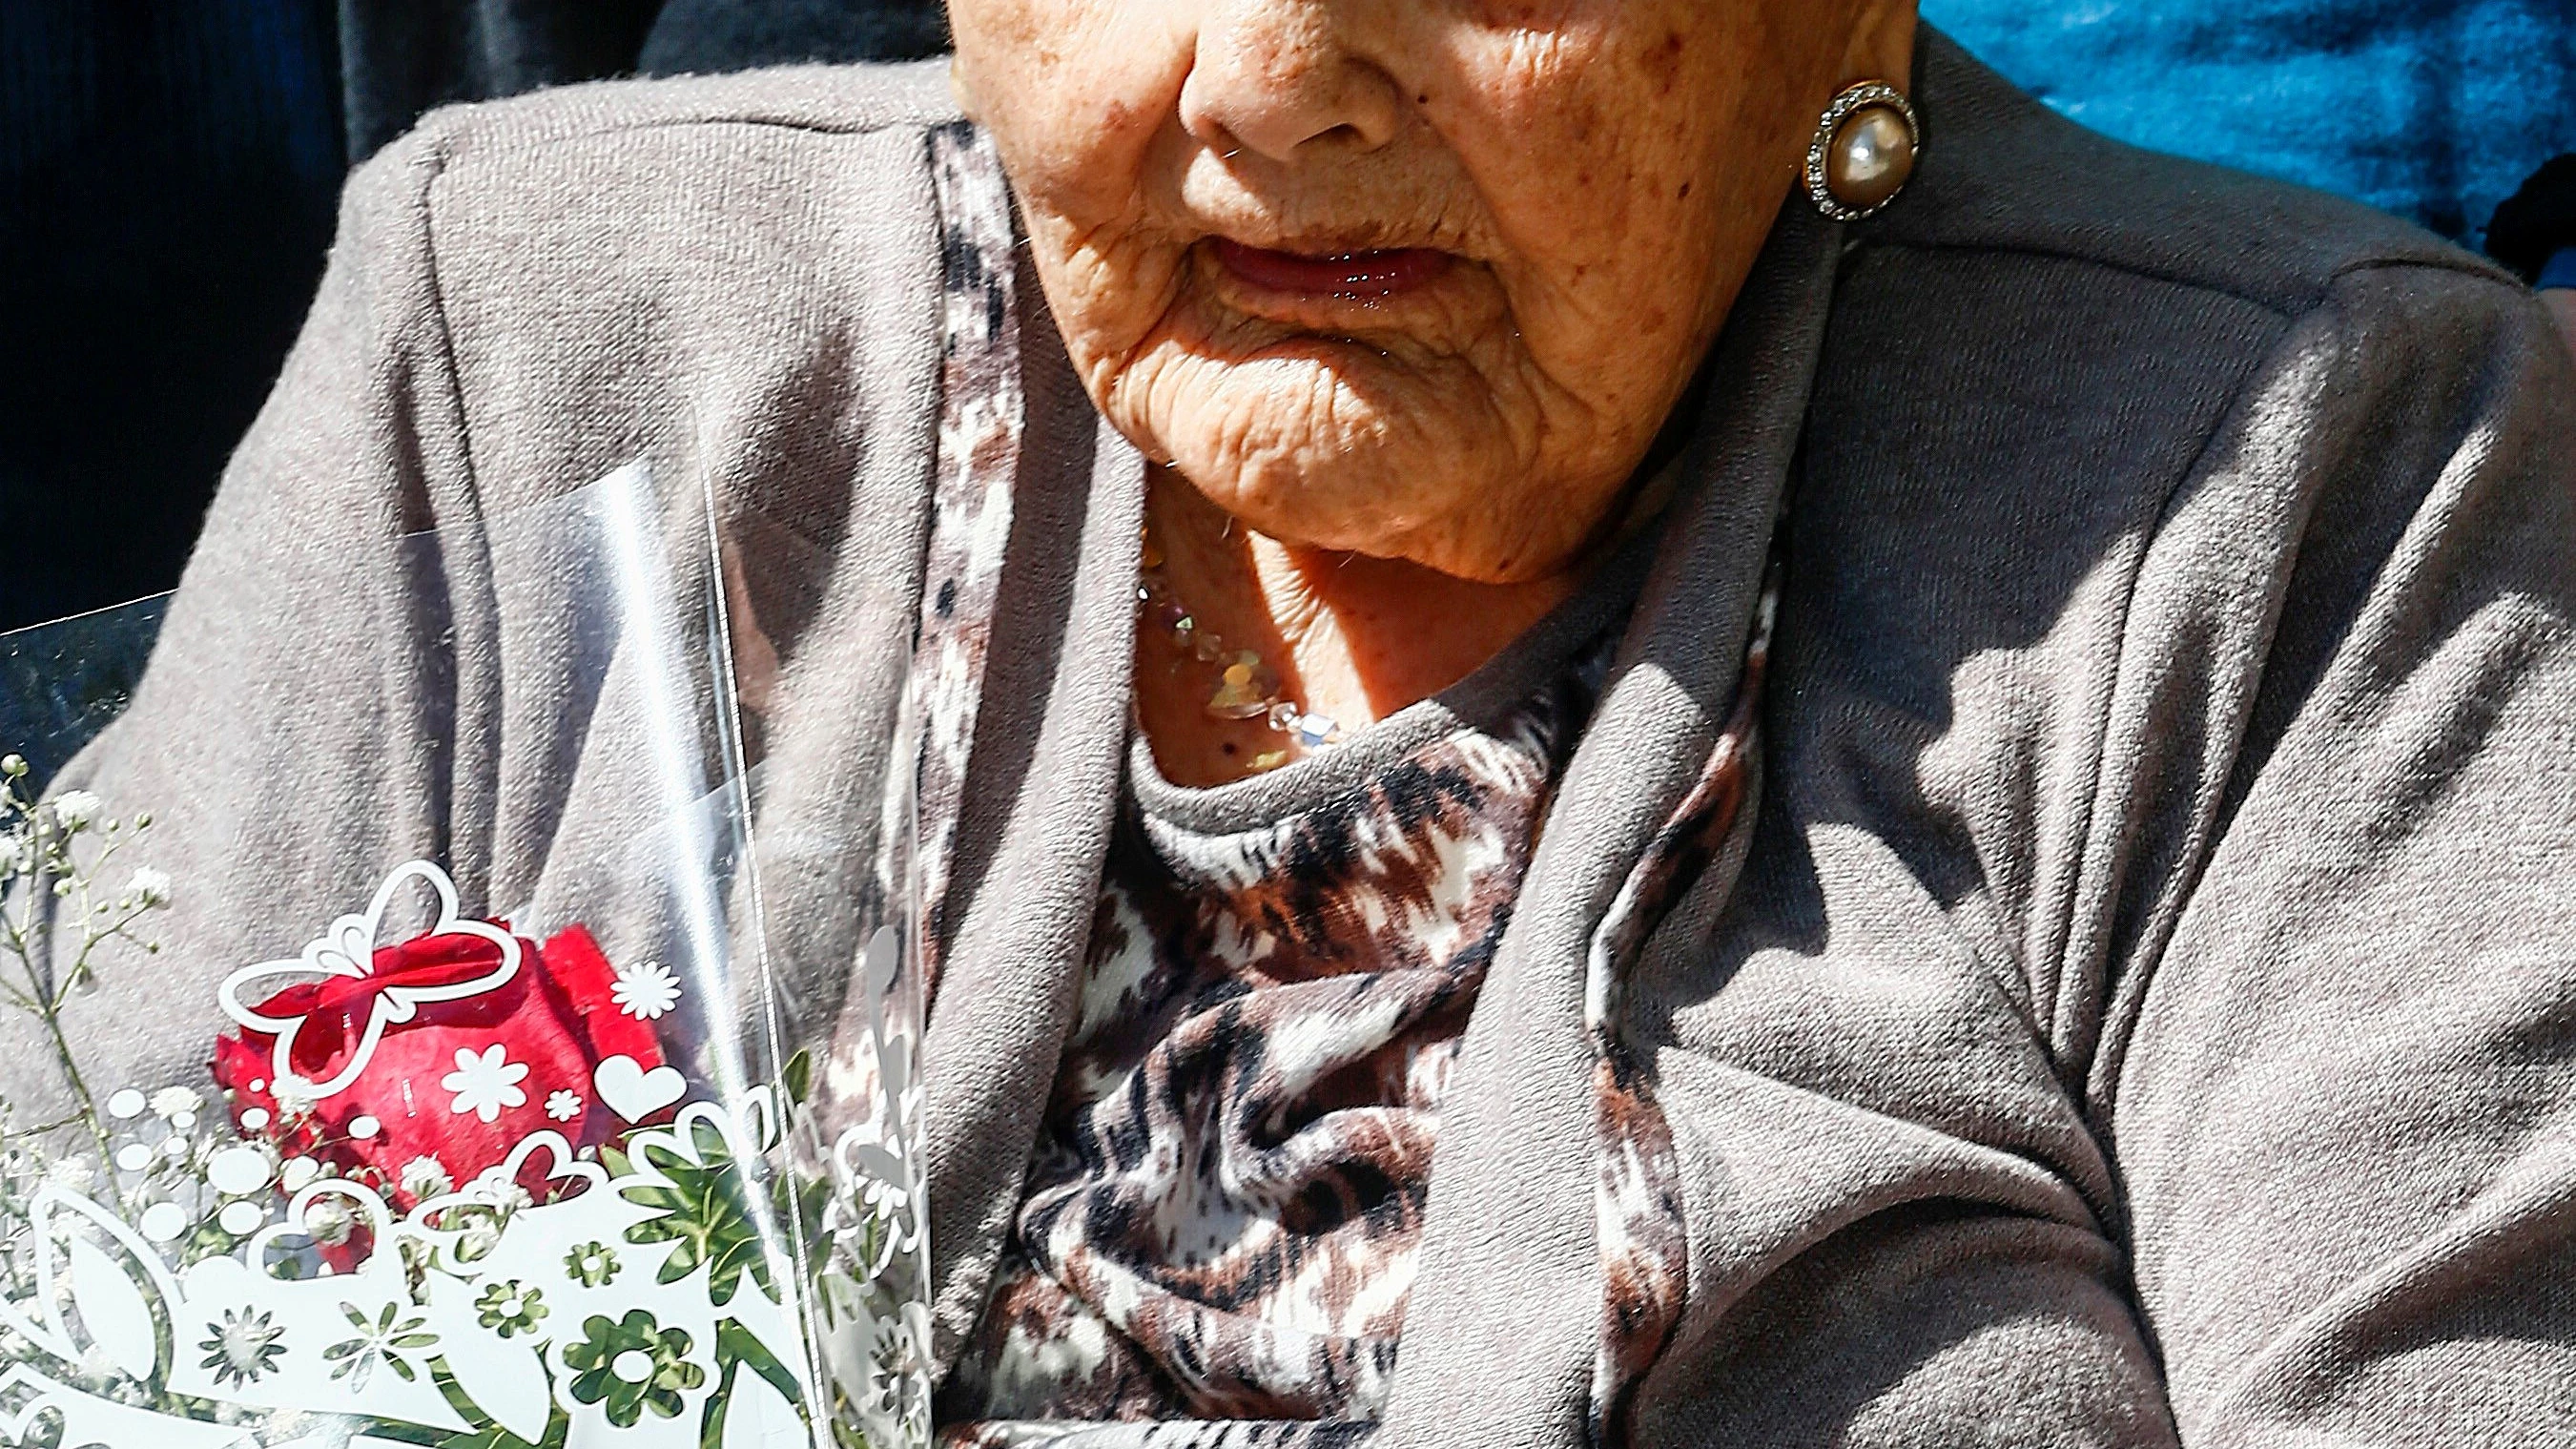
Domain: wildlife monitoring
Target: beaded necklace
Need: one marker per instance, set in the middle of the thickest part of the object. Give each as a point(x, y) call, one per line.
point(1247, 688)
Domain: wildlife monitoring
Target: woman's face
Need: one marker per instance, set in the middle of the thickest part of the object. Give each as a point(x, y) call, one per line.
point(1416, 278)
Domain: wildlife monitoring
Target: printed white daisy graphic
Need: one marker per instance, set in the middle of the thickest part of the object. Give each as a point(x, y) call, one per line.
point(645, 991)
point(485, 1084)
point(563, 1106)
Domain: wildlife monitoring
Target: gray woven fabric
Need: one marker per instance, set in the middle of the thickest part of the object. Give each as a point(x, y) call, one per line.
point(2138, 1011)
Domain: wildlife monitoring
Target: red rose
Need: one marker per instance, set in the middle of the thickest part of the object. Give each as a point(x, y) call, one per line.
point(460, 1083)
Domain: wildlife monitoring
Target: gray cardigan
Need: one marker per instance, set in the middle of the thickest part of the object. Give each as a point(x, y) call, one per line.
point(2141, 1007)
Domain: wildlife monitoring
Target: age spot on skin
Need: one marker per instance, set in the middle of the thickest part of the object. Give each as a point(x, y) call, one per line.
point(1664, 63)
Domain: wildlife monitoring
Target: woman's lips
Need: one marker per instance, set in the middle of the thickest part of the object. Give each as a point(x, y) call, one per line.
point(1353, 276)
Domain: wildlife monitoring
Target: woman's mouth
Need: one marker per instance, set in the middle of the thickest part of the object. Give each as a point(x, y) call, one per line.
point(1366, 276)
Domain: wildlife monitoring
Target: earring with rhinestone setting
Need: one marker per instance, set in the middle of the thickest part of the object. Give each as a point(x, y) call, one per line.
point(1863, 152)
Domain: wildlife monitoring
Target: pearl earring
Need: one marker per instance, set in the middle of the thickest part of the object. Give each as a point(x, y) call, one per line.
point(1863, 151)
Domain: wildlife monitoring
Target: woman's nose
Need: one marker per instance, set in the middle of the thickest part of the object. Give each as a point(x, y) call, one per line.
point(1271, 76)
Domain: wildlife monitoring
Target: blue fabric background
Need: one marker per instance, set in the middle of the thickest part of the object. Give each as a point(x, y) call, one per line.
point(2433, 109)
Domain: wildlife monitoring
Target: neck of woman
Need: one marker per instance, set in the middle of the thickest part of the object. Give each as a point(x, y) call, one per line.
point(1347, 637)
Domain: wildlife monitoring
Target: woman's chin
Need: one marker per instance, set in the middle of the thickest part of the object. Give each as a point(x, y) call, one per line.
point(1347, 504)
point(1346, 489)
point(1331, 444)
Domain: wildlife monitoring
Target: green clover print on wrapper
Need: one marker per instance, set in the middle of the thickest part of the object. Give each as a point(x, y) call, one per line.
point(511, 1307)
point(631, 1365)
point(592, 1265)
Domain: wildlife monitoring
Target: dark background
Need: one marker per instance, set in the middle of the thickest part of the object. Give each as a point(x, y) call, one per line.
point(169, 170)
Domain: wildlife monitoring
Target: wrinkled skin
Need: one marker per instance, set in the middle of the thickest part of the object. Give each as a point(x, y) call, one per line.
point(1605, 169)
point(1388, 488)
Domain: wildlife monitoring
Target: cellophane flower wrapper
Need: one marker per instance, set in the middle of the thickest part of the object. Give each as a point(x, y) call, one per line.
point(612, 1169)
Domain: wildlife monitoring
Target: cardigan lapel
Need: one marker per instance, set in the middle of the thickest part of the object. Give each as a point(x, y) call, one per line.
point(1039, 797)
point(1505, 1314)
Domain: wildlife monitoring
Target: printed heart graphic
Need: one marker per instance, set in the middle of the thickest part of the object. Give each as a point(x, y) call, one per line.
point(634, 1093)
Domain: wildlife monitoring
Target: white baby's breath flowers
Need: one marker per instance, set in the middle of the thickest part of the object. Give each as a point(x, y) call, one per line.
point(328, 1221)
point(176, 1102)
point(425, 1176)
point(95, 1366)
point(71, 1174)
point(496, 1186)
point(149, 888)
point(77, 810)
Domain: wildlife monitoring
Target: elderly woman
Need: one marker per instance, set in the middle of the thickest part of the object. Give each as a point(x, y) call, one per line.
point(1651, 722)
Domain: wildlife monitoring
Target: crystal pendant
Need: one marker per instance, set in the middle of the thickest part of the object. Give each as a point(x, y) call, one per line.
point(1314, 731)
point(1246, 692)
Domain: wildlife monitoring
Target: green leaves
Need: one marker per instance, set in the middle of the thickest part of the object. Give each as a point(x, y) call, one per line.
point(705, 1209)
point(489, 1435)
point(738, 1348)
point(592, 1265)
point(493, 1436)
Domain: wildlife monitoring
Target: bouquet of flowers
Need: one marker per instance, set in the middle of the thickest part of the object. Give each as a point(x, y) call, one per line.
point(453, 1179)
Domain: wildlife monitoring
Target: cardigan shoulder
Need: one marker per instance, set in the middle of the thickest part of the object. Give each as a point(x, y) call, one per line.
point(2003, 173)
point(2052, 339)
point(2105, 454)
point(746, 265)
point(821, 99)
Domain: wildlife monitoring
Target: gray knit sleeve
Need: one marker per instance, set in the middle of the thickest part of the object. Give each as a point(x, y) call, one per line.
point(2339, 1073)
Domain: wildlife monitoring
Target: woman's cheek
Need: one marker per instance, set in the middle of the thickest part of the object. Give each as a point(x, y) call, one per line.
point(1560, 149)
point(1073, 92)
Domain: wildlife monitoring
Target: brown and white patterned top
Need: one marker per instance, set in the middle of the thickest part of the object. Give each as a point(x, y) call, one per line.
point(1221, 1221)
point(1218, 1234)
